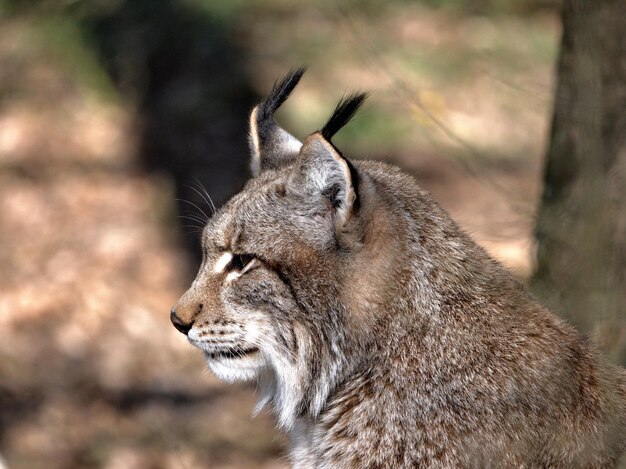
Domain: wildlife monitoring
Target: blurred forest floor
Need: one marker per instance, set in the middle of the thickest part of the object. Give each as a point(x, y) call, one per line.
point(92, 374)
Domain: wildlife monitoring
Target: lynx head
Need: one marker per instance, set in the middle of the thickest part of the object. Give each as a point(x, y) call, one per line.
point(282, 294)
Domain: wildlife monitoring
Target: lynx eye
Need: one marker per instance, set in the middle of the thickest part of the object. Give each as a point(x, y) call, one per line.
point(240, 262)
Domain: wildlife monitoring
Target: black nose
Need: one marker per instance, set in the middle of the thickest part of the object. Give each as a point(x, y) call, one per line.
point(178, 323)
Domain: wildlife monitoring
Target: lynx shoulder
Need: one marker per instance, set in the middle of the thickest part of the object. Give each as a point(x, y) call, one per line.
point(381, 335)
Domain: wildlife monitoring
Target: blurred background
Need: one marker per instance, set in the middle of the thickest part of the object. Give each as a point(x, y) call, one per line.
point(115, 115)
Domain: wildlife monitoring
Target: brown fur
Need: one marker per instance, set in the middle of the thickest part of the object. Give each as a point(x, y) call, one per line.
point(380, 334)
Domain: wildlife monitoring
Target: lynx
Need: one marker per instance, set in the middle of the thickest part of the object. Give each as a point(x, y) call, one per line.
point(380, 335)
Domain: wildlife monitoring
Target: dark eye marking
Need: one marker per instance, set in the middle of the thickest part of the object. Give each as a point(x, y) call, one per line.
point(239, 262)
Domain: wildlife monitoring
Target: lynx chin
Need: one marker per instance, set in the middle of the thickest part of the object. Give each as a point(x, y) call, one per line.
point(380, 334)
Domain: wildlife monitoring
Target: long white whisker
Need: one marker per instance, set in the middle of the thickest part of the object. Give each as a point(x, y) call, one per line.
point(192, 218)
point(206, 217)
point(206, 193)
point(202, 196)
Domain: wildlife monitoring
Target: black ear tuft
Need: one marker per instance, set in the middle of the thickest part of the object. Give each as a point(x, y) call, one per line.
point(271, 146)
point(277, 96)
point(342, 114)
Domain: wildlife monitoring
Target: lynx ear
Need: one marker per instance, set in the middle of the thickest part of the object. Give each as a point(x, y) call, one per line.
point(327, 176)
point(270, 145)
point(323, 172)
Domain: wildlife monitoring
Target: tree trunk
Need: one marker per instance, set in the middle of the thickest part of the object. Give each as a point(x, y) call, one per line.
point(581, 226)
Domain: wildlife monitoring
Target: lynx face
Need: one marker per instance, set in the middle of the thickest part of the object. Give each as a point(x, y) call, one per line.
point(254, 249)
point(266, 303)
